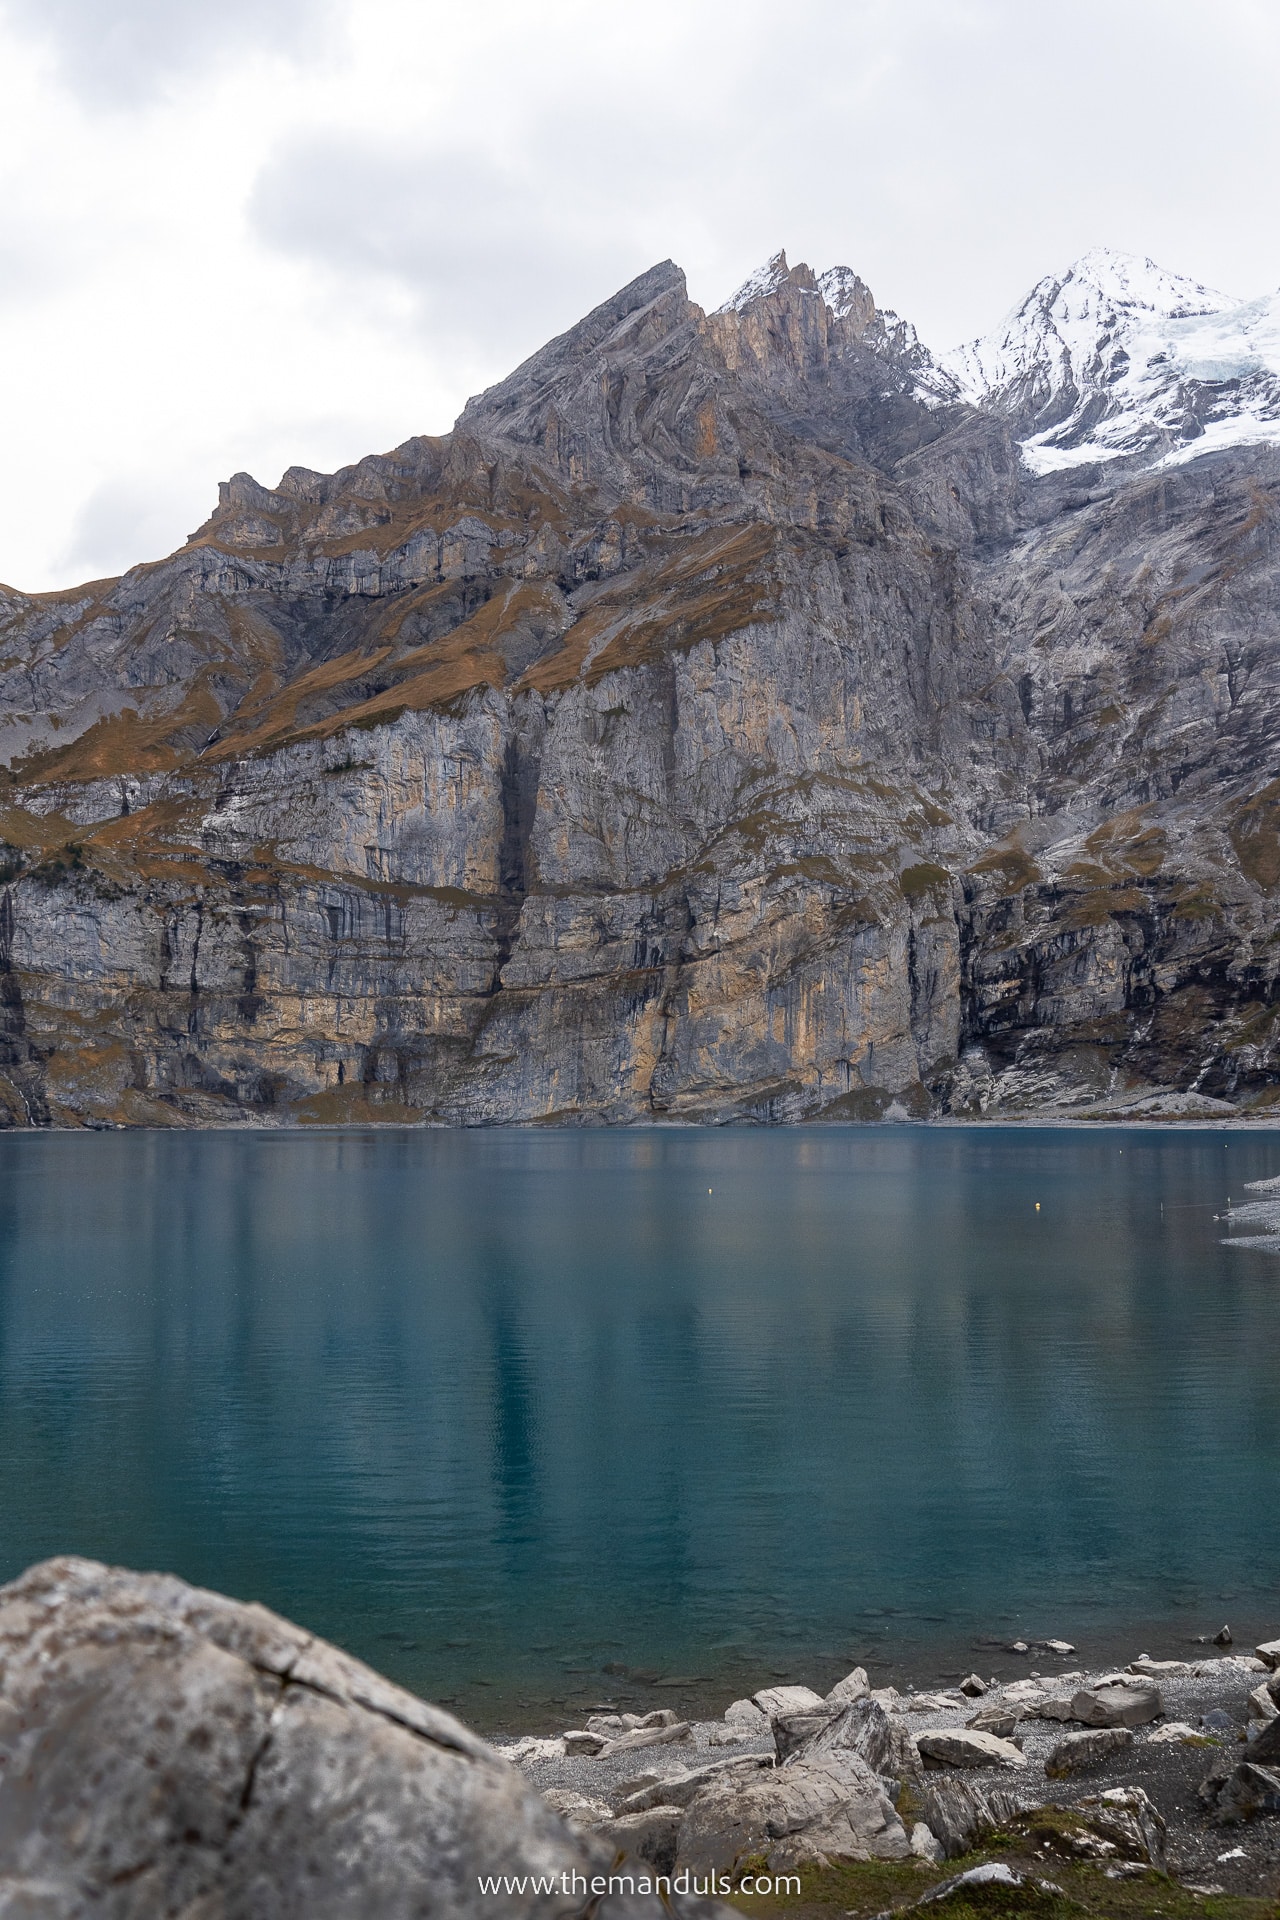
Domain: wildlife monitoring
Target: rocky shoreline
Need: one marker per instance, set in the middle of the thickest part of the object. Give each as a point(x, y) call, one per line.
point(1166, 1766)
point(170, 1754)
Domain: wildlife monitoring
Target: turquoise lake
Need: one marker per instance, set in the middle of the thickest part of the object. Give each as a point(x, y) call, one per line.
point(536, 1420)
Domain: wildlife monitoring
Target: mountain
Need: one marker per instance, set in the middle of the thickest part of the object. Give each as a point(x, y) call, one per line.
point(1117, 359)
point(739, 715)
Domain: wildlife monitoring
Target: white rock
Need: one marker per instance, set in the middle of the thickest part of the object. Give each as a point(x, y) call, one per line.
point(747, 1715)
point(1023, 1693)
point(852, 1687)
point(835, 1806)
point(1172, 1669)
point(771, 1700)
point(924, 1842)
point(967, 1747)
point(1173, 1733)
point(719, 1736)
point(1261, 1705)
point(647, 1737)
point(1269, 1653)
point(579, 1809)
point(583, 1742)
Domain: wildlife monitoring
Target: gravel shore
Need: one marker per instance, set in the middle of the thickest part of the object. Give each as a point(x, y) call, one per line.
point(1204, 1717)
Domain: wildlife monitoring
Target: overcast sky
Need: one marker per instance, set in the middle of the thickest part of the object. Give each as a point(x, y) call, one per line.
point(248, 233)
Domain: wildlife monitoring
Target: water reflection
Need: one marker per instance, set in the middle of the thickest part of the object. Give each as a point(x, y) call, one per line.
point(501, 1411)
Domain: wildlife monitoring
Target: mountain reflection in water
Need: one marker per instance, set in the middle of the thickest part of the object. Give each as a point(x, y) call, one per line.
point(532, 1419)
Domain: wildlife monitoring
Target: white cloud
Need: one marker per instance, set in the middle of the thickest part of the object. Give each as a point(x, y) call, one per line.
point(271, 231)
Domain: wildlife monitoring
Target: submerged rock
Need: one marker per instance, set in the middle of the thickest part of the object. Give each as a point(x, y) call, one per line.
point(165, 1750)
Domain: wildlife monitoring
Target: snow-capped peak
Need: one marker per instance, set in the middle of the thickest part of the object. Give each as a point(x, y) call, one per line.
point(846, 294)
point(766, 279)
point(1117, 357)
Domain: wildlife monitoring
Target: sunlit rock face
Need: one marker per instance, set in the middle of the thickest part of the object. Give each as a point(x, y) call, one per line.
point(738, 716)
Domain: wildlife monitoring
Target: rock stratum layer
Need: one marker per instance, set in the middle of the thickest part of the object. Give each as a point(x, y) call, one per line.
point(724, 722)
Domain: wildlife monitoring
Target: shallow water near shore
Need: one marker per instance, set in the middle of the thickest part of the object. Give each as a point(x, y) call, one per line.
point(536, 1420)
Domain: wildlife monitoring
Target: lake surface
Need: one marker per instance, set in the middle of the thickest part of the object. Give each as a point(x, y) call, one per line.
point(539, 1420)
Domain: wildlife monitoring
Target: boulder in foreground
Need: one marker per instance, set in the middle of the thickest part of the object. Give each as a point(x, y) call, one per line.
point(168, 1754)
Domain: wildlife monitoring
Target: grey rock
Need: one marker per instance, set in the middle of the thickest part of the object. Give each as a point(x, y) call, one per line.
point(1063, 1648)
point(1080, 1752)
point(1128, 1819)
point(747, 1715)
point(1265, 1746)
point(793, 1730)
point(678, 1789)
point(812, 1810)
point(649, 1835)
point(1269, 1653)
point(1052, 1706)
point(961, 1887)
point(962, 1813)
point(997, 1719)
point(1247, 1791)
point(166, 1750)
point(1116, 1706)
point(965, 1747)
point(581, 1742)
point(664, 1736)
point(974, 1686)
point(925, 1844)
point(852, 1687)
point(875, 1736)
point(773, 1700)
point(581, 1810)
point(1222, 1638)
point(1262, 1704)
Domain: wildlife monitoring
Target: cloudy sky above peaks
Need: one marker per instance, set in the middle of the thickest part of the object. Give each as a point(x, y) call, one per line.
point(248, 233)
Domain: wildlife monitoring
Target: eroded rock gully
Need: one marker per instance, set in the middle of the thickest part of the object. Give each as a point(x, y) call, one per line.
point(721, 723)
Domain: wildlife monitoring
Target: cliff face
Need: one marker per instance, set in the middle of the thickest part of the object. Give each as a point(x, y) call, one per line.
point(724, 722)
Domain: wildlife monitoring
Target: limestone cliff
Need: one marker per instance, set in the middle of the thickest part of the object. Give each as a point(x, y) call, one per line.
point(723, 722)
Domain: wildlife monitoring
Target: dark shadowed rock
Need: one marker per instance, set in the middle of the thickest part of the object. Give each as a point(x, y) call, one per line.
point(1081, 1751)
point(1246, 1791)
point(168, 1752)
point(961, 1814)
point(881, 1739)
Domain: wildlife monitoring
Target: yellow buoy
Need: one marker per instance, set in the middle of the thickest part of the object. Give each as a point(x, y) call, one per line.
point(1037, 1206)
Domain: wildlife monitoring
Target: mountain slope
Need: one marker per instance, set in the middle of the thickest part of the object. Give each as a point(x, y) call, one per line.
point(724, 721)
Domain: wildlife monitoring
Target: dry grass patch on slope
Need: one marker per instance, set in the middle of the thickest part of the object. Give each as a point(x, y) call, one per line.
point(720, 582)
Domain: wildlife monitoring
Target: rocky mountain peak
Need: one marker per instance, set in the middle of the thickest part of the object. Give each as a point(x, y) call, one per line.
point(1118, 358)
